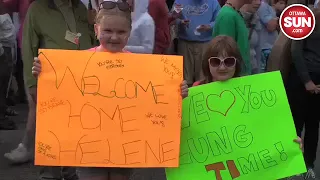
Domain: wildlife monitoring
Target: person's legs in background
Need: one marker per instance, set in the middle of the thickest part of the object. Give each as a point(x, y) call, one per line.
point(304, 108)
point(200, 49)
point(5, 73)
point(69, 173)
point(22, 153)
point(19, 77)
point(311, 135)
point(93, 173)
point(58, 173)
point(185, 49)
point(106, 174)
point(10, 98)
point(297, 99)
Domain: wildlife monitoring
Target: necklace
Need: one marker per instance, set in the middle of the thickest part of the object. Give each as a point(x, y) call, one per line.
point(230, 4)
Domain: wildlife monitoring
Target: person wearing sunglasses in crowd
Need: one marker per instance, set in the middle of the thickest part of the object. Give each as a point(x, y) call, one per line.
point(67, 28)
point(112, 28)
point(142, 37)
point(222, 61)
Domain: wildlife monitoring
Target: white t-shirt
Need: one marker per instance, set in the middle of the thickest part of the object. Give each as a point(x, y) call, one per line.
point(7, 31)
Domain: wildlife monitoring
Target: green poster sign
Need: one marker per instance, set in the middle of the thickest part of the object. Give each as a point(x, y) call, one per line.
point(241, 129)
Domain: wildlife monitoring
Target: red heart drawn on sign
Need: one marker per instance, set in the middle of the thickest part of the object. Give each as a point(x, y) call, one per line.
point(229, 97)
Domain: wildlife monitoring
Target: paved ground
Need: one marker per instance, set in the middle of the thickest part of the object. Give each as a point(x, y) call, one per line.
point(10, 139)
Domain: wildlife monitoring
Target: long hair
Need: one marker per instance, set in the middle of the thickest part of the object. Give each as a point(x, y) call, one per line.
point(221, 46)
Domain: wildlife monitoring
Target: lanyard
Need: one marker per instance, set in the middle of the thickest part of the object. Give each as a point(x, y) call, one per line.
point(230, 4)
point(65, 14)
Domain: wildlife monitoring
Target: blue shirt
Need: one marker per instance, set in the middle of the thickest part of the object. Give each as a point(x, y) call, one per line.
point(267, 13)
point(199, 12)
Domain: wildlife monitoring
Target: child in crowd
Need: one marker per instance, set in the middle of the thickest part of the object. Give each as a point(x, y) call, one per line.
point(270, 27)
point(222, 61)
point(112, 28)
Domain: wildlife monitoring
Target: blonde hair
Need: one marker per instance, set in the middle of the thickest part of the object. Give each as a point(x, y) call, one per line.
point(113, 12)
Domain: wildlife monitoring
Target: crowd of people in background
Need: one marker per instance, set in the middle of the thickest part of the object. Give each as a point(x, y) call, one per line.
point(180, 27)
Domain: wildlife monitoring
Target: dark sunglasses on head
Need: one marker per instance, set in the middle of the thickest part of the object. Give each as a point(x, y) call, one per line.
point(121, 4)
point(227, 62)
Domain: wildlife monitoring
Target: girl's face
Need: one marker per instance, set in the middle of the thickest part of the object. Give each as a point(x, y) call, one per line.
point(222, 68)
point(113, 32)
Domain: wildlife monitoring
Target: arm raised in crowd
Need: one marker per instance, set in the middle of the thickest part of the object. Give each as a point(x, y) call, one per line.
point(147, 34)
point(30, 45)
point(267, 20)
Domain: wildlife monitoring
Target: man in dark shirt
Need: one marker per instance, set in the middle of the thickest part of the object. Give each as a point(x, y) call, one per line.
point(303, 90)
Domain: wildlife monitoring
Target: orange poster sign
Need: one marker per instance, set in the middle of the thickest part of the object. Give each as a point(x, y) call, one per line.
point(99, 109)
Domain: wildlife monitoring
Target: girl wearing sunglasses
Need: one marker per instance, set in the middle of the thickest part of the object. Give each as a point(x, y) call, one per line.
point(222, 61)
point(112, 28)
